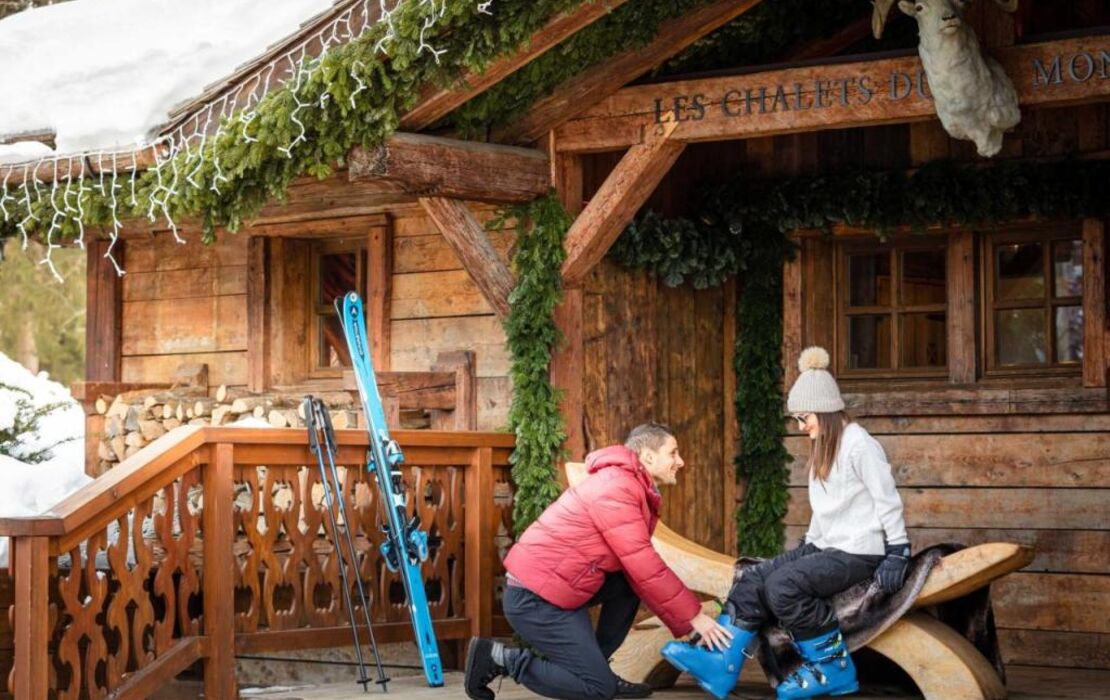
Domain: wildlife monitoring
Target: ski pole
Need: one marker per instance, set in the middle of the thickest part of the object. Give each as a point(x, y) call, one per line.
point(314, 445)
point(324, 420)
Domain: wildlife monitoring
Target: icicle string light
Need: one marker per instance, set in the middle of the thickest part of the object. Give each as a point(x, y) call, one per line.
point(183, 159)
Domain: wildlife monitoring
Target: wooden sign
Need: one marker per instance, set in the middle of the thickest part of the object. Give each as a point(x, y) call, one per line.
point(828, 96)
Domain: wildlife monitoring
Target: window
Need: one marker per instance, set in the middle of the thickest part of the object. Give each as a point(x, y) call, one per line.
point(892, 301)
point(1033, 311)
point(338, 266)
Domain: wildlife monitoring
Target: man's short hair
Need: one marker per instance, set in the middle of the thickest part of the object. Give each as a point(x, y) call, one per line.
point(648, 436)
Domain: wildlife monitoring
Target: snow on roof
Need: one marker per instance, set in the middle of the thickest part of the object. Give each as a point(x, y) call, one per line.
point(106, 74)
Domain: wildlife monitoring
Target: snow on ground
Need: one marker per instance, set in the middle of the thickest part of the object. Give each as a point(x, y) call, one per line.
point(106, 73)
point(30, 489)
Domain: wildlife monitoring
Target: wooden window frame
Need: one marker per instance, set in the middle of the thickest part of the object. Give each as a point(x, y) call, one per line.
point(896, 247)
point(1047, 233)
point(317, 310)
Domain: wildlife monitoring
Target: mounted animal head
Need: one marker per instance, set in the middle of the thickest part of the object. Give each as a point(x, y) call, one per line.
point(933, 16)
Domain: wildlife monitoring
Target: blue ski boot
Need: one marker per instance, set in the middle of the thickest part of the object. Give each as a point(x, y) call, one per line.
point(828, 669)
point(715, 671)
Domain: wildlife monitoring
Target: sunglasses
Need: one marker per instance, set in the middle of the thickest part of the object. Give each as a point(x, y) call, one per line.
point(801, 418)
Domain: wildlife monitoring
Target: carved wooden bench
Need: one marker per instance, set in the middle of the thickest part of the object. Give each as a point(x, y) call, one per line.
point(943, 664)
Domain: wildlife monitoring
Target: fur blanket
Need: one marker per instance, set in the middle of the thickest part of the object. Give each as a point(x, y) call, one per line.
point(865, 612)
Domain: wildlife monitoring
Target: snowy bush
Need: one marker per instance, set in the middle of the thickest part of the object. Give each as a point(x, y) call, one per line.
point(20, 425)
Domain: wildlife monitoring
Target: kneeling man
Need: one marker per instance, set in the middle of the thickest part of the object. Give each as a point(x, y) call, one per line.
point(592, 546)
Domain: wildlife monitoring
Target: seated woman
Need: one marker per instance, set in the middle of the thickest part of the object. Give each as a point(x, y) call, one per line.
point(857, 532)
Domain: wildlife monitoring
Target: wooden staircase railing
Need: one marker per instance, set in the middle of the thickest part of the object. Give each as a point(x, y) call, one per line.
point(212, 541)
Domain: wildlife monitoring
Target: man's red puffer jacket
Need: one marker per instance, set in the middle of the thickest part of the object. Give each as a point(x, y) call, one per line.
point(603, 524)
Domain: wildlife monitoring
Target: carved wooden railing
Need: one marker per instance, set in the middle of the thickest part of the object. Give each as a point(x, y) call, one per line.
point(212, 542)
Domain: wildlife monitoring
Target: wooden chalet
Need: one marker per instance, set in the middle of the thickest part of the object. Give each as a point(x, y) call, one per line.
point(993, 437)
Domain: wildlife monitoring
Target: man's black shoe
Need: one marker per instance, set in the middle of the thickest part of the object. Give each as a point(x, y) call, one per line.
point(480, 669)
point(626, 689)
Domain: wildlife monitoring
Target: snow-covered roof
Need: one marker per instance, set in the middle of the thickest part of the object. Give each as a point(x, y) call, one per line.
point(107, 74)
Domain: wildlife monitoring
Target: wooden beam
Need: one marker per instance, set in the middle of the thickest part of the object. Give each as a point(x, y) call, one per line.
point(594, 84)
point(258, 314)
point(961, 308)
point(104, 289)
point(434, 104)
point(1094, 303)
point(836, 95)
point(433, 166)
point(379, 293)
point(731, 430)
point(568, 359)
point(792, 343)
point(617, 201)
point(468, 239)
point(324, 226)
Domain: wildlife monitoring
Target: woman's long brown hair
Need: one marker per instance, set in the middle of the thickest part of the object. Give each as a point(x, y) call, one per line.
point(822, 455)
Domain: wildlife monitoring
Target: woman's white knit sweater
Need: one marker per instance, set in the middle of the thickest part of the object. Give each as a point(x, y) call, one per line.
point(858, 509)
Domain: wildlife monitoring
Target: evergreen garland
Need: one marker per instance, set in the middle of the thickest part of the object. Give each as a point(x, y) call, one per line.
point(253, 166)
point(532, 336)
point(744, 229)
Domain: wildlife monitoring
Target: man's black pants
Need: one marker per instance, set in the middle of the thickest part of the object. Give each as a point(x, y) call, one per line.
point(795, 588)
point(575, 661)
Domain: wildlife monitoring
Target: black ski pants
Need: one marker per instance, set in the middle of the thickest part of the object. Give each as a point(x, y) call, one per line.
point(575, 658)
point(795, 588)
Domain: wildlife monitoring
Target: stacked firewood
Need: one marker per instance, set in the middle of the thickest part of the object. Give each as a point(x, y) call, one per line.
point(134, 419)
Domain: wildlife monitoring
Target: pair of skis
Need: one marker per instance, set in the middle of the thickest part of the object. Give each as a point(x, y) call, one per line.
point(406, 545)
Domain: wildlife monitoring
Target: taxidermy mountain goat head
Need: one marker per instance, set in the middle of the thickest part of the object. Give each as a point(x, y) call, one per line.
point(974, 97)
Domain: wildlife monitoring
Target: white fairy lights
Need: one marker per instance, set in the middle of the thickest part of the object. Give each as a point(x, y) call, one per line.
point(184, 146)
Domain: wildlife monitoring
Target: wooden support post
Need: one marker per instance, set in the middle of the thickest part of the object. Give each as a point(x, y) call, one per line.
point(791, 318)
point(730, 441)
point(30, 567)
point(104, 289)
point(465, 415)
point(819, 311)
point(379, 292)
point(479, 554)
point(219, 582)
point(618, 199)
point(258, 314)
point(961, 308)
point(568, 363)
point(1094, 304)
point(468, 239)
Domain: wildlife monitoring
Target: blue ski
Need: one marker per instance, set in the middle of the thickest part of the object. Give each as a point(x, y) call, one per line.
point(406, 544)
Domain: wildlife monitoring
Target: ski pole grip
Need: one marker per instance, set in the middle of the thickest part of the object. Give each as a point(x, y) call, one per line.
point(310, 424)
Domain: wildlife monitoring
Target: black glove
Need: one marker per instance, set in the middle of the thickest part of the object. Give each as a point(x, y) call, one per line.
point(891, 573)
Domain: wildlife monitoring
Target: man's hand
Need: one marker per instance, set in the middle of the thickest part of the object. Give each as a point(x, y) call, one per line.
point(713, 636)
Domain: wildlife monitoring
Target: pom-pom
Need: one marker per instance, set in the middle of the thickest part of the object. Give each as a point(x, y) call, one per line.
point(813, 358)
